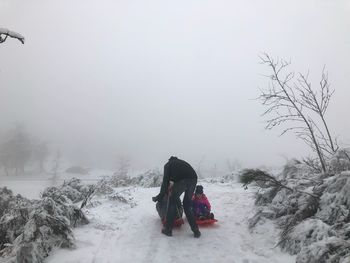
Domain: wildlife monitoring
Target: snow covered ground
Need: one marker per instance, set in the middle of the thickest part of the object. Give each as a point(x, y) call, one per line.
point(130, 232)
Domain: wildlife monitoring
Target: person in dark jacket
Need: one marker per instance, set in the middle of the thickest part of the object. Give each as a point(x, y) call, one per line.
point(181, 177)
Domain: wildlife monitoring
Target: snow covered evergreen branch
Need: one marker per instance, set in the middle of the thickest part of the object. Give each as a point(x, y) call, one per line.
point(265, 180)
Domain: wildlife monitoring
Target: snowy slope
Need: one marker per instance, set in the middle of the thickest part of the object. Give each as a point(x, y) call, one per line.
point(121, 232)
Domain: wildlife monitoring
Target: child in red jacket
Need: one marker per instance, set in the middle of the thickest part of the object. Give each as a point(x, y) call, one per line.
point(200, 205)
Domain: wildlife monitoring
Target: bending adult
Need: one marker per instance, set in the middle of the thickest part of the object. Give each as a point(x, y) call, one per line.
point(182, 178)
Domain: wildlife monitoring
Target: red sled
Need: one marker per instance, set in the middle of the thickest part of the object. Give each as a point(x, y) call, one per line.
point(177, 223)
point(205, 222)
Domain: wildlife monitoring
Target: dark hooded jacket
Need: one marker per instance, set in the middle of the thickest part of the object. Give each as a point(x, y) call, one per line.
point(176, 170)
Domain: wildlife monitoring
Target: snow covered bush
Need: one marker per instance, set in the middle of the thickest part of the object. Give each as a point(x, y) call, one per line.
point(151, 178)
point(311, 209)
point(64, 195)
point(266, 196)
point(335, 201)
point(45, 229)
point(103, 187)
point(72, 189)
point(285, 203)
point(30, 229)
point(292, 169)
point(340, 161)
point(304, 234)
point(14, 213)
point(123, 196)
point(331, 250)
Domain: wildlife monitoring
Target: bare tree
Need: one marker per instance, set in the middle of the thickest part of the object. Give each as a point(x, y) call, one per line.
point(291, 99)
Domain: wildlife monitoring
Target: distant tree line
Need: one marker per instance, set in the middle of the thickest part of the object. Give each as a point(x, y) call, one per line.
point(19, 149)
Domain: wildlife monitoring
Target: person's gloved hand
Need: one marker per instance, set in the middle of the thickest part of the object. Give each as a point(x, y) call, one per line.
point(155, 198)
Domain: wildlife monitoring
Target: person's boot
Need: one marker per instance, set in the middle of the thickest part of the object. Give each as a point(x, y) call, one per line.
point(211, 216)
point(196, 233)
point(167, 232)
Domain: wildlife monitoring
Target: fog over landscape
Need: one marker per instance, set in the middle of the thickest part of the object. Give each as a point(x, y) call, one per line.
point(151, 79)
point(97, 96)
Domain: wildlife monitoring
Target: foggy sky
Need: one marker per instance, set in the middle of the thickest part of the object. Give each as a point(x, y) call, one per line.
point(150, 79)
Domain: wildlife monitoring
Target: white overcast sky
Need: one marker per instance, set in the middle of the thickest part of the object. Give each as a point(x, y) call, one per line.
point(150, 79)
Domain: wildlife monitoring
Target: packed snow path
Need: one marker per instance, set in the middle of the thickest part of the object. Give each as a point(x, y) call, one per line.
point(131, 233)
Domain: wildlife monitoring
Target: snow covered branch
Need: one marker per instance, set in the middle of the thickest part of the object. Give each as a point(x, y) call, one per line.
point(5, 33)
point(261, 178)
point(264, 180)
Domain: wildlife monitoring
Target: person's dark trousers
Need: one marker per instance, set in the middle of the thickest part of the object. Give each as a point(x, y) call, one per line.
point(188, 186)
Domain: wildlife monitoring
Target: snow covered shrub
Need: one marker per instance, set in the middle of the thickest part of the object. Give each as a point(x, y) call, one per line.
point(284, 203)
point(64, 197)
point(6, 196)
point(304, 234)
point(56, 194)
point(29, 230)
point(76, 184)
point(328, 250)
point(260, 217)
point(335, 201)
point(340, 161)
point(12, 223)
point(123, 197)
point(151, 178)
point(41, 234)
point(63, 193)
point(343, 230)
point(103, 187)
point(323, 238)
point(311, 208)
point(292, 169)
point(265, 196)
point(278, 194)
point(72, 189)
point(14, 214)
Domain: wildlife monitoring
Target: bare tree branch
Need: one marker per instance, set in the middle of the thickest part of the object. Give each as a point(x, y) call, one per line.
point(4, 33)
point(293, 100)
